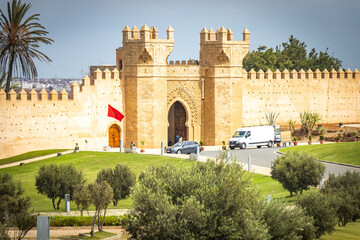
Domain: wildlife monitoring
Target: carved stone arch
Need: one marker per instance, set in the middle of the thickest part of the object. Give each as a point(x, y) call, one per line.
point(187, 98)
point(222, 58)
point(145, 57)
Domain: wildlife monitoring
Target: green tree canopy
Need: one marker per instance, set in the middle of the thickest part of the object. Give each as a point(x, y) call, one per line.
point(20, 37)
point(297, 171)
point(54, 181)
point(290, 55)
point(212, 200)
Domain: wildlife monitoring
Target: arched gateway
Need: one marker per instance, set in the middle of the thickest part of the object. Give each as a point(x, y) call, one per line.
point(177, 123)
point(114, 136)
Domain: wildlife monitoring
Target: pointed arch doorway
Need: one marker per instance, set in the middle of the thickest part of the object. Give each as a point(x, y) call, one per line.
point(114, 136)
point(177, 123)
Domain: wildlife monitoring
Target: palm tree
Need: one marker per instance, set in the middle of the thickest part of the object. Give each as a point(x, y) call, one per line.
point(19, 41)
point(14, 86)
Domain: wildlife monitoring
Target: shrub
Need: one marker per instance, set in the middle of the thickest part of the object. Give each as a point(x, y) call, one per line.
point(346, 190)
point(310, 137)
point(54, 181)
point(206, 200)
point(121, 180)
point(322, 209)
point(295, 139)
point(288, 222)
point(201, 143)
point(321, 137)
point(14, 208)
point(308, 121)
point(297, 171)
point(71, 221)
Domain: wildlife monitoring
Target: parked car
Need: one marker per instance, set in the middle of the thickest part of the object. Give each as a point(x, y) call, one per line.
point(184, 147)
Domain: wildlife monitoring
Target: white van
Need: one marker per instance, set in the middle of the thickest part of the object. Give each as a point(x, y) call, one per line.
point(255, 136)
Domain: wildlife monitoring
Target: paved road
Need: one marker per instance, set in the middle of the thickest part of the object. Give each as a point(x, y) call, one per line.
point(264, 156)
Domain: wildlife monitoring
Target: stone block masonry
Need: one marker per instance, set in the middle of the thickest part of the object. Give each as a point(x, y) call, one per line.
point(213, 97)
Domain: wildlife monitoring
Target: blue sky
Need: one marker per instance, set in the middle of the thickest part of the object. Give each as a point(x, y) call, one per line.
point(87, 32)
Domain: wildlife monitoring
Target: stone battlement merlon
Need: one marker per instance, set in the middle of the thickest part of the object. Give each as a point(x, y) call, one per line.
point(145, 34)
point(184, 62)
point(33, 96)
point(221, 35)
point(309, 74)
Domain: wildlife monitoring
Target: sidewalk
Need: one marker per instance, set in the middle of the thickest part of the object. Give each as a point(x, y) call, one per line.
point(34, 159)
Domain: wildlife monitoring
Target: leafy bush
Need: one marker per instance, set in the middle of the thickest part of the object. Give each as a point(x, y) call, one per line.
point(346, 190)
point(70, 221)
point(321, 137)
point(310, 137)
point(121, 180)
point(206, 200)
point(295, 139)
point(322, 209)
point(288, 222)
point(297, 171)
point(14, 208)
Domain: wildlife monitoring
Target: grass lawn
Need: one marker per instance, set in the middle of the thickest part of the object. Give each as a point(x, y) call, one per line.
point(29, 155)
point(92, 162)
point(347, 152)
point(97, 235)
point(349, 232)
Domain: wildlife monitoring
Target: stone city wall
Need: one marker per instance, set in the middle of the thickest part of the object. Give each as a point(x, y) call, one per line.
point(334, 95)
point(32, 121)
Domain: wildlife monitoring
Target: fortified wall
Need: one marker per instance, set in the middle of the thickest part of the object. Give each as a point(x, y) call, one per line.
point(32, 121)
point(205, 99)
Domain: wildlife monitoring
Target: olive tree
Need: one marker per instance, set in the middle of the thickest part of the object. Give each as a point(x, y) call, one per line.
point(121, 180)
point(14, 208)
point(82, 198)
point(54, 181)
point(297, 171)
point(345, 188)
point(101, 196)
point(322, 209)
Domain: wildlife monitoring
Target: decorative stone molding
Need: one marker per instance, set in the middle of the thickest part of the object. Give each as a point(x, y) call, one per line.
point(187, 96)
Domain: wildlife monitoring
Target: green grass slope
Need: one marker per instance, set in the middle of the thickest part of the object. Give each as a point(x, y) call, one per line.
point(92, 162)
point(350, 232)
point(348, 152)
point(29, 155)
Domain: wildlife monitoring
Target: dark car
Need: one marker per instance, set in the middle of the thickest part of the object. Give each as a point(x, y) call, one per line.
point(184, 147)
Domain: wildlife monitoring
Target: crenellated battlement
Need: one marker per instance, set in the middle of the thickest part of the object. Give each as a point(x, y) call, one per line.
point(221, 35)
point(63, 95)
point(309, 74)
point(34, 96)
point(184, 62)
point(145, 33)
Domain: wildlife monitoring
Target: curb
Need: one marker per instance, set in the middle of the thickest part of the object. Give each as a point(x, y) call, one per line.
point(334, 163)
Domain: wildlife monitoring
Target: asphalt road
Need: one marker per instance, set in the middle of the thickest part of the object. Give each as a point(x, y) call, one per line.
point(264, 156)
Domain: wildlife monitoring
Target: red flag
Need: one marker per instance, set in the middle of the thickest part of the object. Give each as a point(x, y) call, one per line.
point(112, 112)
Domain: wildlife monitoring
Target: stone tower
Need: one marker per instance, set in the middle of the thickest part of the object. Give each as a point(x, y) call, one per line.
point(143, 60)
point(221, 69)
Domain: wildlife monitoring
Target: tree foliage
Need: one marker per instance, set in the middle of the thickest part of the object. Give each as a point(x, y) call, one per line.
point(290, 55)
point(101, 196)
point(20, 37)
point(14, 208)
point(345, 188)
point(204, 201)
point(54, 181)
point(297, 171)
point(288, 223)
point(121, 180)
point(322, 209)
point(82, 198)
